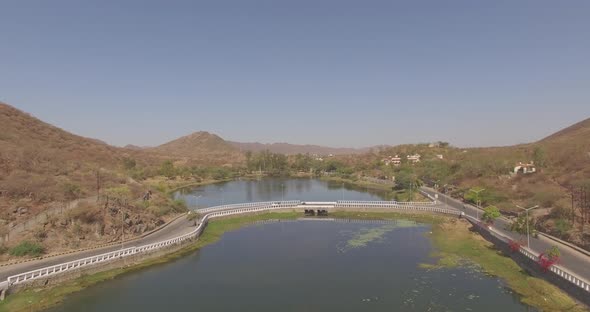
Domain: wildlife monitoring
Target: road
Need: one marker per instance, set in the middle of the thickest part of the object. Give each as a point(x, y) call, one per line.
point(571, 259)
point(175, 228)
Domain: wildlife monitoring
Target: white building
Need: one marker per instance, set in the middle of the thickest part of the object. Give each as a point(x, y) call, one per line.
point(392, 160)
point(525, 168)
point(413, 158)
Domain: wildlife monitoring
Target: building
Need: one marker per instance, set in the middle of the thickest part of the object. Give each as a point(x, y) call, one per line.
point(440, 156)
point(413, 158)
point(392, 160)
point(525, 168)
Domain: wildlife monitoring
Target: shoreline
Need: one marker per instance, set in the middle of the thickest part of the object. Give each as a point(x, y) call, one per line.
point(452, 248)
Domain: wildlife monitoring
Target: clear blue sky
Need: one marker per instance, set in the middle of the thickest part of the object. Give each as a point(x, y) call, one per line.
point(337, 73)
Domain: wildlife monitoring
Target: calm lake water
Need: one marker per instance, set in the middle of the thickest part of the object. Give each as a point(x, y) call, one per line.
point(302, 266)
point(275, 189)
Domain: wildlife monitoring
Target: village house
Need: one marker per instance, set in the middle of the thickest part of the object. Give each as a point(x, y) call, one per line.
point(414, 158)
point(525, 168)
point(394, 160)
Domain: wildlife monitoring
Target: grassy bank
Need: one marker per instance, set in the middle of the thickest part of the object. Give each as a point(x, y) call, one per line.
point(455, 244)
point(38, 299)
point(384, 190)
point(358, 183)
point(170, 186)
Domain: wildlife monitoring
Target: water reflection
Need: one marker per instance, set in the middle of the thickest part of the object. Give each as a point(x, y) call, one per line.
point(271, 189)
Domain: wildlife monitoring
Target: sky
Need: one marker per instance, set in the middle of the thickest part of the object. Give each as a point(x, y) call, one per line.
point(330, 72)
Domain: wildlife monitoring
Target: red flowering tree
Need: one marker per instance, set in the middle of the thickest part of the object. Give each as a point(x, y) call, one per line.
point(549, 258)
point(514, 245)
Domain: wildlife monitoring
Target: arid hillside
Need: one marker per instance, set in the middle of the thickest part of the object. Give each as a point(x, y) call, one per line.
point(42, 162)
point(49, 179)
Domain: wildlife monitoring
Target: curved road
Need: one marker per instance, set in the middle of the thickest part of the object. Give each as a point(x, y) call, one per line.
point(571, 259)
point(175, 228)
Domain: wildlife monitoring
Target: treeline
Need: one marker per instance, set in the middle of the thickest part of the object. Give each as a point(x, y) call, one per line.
point(170, 170)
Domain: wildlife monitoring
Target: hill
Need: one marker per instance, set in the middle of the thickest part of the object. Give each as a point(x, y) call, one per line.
point(38, 160)
point(292, 149)
point(562, 162)
point(580, 130)
point(200, 146)
point(48, 185)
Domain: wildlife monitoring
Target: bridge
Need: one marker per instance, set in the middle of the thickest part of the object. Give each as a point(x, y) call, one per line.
point(432, 206)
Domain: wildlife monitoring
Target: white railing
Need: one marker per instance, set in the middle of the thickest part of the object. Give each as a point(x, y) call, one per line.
point(534, 256)
point(227, 210)
point(288, 203)
point(416, 206)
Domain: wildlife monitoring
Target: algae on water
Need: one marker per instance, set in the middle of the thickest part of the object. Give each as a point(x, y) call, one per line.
point(365, 236)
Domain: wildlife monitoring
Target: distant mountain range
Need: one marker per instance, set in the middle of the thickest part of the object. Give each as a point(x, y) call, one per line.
point(291, 149)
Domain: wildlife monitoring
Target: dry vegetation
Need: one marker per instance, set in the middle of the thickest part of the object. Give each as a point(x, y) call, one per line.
point(43, 168)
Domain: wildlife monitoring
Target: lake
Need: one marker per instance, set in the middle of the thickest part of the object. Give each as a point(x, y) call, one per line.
point(304, 265)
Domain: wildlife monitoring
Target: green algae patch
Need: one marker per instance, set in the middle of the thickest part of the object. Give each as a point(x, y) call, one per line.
point(38, 299)
point(365, 236)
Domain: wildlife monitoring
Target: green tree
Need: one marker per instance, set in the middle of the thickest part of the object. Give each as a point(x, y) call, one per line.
point(167, 169)
point(539, 156)
point(563, 226)
point(553, 253)
point(520, 225)
point(129, 163)
point(491, 213)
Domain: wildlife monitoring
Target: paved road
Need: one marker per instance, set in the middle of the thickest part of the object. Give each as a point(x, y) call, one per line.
point(571, 259)
point(175, 228)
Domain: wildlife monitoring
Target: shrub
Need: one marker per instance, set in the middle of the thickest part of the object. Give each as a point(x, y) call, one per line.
point(71, 191)
point(179, 205)
point(120, 192)
point(129, 163)
point(27, 248)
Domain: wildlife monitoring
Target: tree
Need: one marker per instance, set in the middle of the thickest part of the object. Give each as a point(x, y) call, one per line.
point(539, 156)
point(129, 163)
point(563, 227)
point(491, 213)
point(549, 258)
point(520, 225)
point(167, 169)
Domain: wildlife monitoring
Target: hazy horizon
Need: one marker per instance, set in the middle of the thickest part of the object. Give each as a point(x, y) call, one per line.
point(332, 73)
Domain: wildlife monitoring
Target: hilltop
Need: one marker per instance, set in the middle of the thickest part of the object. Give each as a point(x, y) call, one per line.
point(200, 146)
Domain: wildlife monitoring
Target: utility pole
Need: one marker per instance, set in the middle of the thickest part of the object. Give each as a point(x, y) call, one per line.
point(97, 186)
point(528, 238)
point(477, 200)
point(122, 226)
